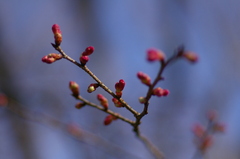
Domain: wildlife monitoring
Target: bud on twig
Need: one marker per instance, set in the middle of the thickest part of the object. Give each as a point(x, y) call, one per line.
point(119, 86)
point(57, 34)
point(109, 119)
point(160, 92)
point(142, 100)
point(190, 56)
point(88, 51)
point(103, 101)
point(155, 55)
point(80, 105)
point(92, 87)
point(117, 103)
point(74, 88)
point(84, 60)
point(145, 79)
point(50, 58)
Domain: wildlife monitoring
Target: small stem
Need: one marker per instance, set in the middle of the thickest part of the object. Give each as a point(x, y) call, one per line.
point(106, 110)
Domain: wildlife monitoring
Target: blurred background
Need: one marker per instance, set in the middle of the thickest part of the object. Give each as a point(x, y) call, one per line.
point(121, 32)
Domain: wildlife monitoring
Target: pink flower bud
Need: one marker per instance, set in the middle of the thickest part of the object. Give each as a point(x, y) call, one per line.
point(84, 60)
point(88, 51)
point(116, 102)
point(57, 34)
point(92, 87)
point(190, 56)
point(198, 130)
point(160, 92)
point(109, 119)
point(155, 55)
point(103, 100)
point(145, 79)
point(52, 57)
point(80, 105)
point(142, 100)
point(74, 88)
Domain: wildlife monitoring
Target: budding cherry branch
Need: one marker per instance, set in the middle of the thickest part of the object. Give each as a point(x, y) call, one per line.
point(153, 55)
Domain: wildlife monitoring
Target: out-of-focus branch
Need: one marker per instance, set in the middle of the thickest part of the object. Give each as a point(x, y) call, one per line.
point(151, 147)
point(70, 128)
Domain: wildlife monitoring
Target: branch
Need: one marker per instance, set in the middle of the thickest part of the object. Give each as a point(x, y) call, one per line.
point(85, 68)
point(151, 147)
point(106, 110)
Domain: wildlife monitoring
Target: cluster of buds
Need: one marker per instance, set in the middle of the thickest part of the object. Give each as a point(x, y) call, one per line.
point(57, 34)
point(103, 101)
point(79, 105)
point(52, 57)
point(92, 87)
point(204, 135)
point(74, 87)
point(119, 86)
point(109, 119)
point(84, 58)
point(160, 92)
point(117, 103)
point(145, 79)
point(155, 55)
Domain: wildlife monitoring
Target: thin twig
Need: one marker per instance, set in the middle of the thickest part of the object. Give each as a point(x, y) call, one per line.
point(106, 110)
point(151, 147)
point(79, 135)
point(159, 77)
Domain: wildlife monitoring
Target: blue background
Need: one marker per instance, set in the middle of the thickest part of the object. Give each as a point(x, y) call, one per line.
point(121, 32)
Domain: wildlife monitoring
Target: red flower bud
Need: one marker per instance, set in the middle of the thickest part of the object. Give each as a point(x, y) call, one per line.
point(57, 34)
point(52, 57)
point(190, 56)
point(117, 103)
point(80, 105)
point(92, 87)
point(109, 119)
point(155, 55)
point(74, 88)
point(103, 101)
point(145, 79)
point(160, 92)
point(84, 60)
point(119, 86)
point(88, 51)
